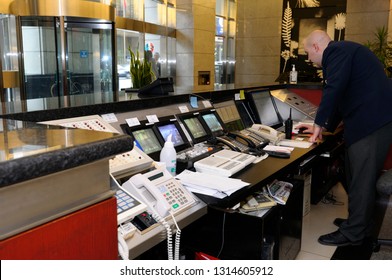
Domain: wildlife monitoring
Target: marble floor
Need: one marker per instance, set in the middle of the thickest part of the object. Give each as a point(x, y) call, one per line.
point(320, 221)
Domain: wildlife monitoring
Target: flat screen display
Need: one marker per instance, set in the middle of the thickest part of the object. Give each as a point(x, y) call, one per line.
point(212, 122)
point(195, 127)
point(147, 140)
point(168, 129)
point(265, 108)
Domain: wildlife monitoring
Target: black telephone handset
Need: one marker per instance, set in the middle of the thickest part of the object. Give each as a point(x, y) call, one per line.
point(229, 143)
point(248, 140)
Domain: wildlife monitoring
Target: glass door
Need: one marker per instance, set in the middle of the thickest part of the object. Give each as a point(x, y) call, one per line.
point(89, 50)
point(67, 57)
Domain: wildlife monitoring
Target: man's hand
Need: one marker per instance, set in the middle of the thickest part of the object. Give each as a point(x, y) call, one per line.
point(317, 134)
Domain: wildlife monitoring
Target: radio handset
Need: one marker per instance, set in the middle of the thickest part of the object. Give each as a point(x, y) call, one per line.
point(288, 127)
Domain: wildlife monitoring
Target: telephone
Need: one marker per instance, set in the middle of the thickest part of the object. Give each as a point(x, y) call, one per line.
point(127, 206)
point(256, 138)
point(233, 144)
point(267, 132)
point(130, 162)
point(160, 191)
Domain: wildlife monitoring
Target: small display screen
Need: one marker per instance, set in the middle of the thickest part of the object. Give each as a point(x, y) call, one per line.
point(147, 140)
point(195, 127)
point(212, 122)
point(168, 129)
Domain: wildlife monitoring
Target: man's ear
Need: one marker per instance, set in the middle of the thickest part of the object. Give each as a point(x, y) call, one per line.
point(316, 47)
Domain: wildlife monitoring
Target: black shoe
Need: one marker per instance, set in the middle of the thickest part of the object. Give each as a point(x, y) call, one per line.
point(338, 221)
point(336, 238)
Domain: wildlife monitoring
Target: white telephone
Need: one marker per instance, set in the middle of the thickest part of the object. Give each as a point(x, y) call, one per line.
point(267, 132)
point(160, 191)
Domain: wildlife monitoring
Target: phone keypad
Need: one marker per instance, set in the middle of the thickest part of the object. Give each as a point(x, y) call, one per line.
point(124, 201)
point(174, 195)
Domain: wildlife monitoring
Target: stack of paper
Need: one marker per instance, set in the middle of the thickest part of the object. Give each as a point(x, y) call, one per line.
point(209, 184)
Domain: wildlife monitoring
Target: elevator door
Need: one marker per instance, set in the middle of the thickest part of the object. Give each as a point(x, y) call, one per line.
point(75, 52)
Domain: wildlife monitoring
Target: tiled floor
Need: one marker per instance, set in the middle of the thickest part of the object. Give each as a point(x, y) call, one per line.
point(320, 221)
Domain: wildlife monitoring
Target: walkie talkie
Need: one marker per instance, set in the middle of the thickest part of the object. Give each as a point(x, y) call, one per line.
point(288, 124)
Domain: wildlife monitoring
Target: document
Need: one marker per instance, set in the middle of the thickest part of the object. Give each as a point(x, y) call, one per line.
point(210, 184)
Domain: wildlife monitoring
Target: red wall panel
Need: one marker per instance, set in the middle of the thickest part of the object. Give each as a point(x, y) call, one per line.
point(88, 234)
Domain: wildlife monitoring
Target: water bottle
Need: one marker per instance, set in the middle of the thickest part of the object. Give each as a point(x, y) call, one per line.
point(168, 155)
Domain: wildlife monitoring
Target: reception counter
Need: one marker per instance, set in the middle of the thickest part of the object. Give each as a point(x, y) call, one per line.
point(48, 175)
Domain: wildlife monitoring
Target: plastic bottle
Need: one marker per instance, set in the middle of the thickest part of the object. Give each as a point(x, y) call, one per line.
point(293, 75)
point(168, 155)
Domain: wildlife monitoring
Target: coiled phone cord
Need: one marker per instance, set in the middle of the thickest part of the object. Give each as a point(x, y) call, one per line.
point(157, 217)
point(177, 239)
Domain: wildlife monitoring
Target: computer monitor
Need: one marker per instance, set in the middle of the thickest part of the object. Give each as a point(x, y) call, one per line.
point(264, 108)
point(171, 127)
point(243, 111)
point(145, 138)
point(214, 122)
point(197, 131)
point(160, 86)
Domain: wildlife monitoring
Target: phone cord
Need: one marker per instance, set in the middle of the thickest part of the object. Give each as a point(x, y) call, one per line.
point(168, 233)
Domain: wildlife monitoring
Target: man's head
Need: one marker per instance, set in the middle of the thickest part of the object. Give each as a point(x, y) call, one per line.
point(315, 44)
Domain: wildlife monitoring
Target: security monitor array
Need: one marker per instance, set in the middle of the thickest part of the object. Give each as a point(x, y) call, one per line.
point(195, 135)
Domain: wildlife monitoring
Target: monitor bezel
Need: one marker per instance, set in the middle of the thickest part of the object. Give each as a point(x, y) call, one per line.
point(215, 113)
point(255, 112)
point(174, 121)
point(189, 115)
point(143, 125)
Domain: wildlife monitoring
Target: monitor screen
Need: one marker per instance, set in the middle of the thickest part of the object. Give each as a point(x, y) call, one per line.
point(195, 127)
point(266, 108)
point(147, 139)
point(212, 122)
point(168, 129)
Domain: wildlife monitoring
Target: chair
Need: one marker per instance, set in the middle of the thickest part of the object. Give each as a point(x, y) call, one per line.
point(384, 189)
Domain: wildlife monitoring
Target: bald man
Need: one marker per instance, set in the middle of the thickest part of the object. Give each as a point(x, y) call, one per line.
point(356, 91)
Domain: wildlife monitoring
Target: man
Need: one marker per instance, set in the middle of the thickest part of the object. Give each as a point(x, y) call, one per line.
point(356, 91)
point(156, 65)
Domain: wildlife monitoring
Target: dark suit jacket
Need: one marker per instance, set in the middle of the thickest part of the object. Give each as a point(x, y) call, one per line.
point(356, 90)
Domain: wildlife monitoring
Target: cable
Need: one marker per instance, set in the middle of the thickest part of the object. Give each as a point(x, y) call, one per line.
point(223, 234)
point(329, 198)
point(177, 239)
point(168, 234)
point(122, 246)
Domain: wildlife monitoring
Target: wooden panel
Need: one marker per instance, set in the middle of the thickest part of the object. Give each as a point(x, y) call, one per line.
point(88, 234)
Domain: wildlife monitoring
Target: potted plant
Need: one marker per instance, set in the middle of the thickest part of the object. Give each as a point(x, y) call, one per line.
point(141, 70)
point(382, 48)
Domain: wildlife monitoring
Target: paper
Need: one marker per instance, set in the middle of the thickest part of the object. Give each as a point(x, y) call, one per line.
point(132, 121)
point(193, 101)
point(209, 184)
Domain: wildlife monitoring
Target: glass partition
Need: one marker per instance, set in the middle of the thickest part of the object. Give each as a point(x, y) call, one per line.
point(88, 58)
point(127, 39)
point(9, 60)
point(133, 9)
point(225, 30)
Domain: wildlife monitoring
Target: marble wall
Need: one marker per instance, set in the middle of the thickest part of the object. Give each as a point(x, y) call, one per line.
point(195, 44)
point(364, 17)
point(257, 42)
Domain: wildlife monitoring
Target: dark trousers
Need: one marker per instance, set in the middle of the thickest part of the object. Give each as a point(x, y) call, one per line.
point(364, 161)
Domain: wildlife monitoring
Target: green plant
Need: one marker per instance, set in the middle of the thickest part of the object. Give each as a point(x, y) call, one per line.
point(382, 48)
point(141, 70)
